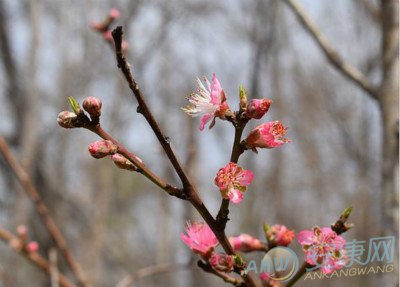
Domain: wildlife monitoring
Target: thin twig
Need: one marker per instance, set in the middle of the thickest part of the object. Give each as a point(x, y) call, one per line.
point(34, 258)
point(151, 271)
point(143, 108)
point(222, 216)
point(54, 273)
point(351, 72)
point(43, 211)
point(224, 276)
point(141, 167)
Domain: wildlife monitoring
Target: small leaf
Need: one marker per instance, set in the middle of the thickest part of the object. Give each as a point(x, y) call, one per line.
point(74, 105)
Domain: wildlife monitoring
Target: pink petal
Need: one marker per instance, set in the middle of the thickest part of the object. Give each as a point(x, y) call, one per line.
point(305, 237)
point(245, 177)
point(235, 196)
point(215, 91)
point(204, 120)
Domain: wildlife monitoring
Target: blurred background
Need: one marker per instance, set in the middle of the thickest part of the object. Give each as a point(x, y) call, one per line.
point(117, 222)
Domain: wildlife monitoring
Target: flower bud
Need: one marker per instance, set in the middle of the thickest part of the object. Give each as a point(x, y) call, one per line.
point(22, 232)
point(246, 243)
point(257, 108)
point(66, 119)
point(97, 26)
point(102, 148)
point(267, 135)
point(114, 14)
point(278, 235)
point(93, 106)
point(32, 247)
point(222, 262)
point(122, 162)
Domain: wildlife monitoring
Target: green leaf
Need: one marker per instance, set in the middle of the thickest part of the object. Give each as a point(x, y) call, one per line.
point(74, 105)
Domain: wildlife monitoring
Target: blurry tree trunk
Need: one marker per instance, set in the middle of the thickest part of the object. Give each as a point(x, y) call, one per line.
point(389, 103)
point(14, 89)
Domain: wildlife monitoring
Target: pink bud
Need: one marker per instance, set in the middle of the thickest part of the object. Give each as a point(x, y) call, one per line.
point(22, 231)
point(66, 119)
point(97, 26)
point(257, 108)
point(102, 148)
point(267, 135)
point(114, 14)
point(107, 35)
point(279, 235)
point(32, 247)
point(246, 243)
point(122, 162)
point(222, 262)
point(93, 106)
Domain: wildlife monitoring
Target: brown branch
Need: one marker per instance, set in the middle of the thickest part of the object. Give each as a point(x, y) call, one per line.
point(188, 189)
point(237, 150)
point(224, 276)
point(43, 211)
point(34, 258)
point(141, 167)
point(349, 71)
point(143, 108)
point(151, 271)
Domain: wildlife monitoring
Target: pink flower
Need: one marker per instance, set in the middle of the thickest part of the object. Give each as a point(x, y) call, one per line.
point(267, 135)
point(323, 248)
point(222, 262)
point(246, 243)
point(211, 102)
point(102, 148)
point(232, 181)
point(257, 108)
point(279, 235)
point(200, 238)
point(32, 247)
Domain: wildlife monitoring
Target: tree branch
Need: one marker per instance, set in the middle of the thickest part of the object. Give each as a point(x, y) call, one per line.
point(189, 190)
point(34, 258)
point(143, 108)
point(224, 276)
point(43, 211)
point(349, 71)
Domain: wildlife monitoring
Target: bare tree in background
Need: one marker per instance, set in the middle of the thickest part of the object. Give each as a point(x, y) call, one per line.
point(48, 53)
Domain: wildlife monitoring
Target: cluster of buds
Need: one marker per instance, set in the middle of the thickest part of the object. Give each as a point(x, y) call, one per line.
point(68, 119)
point(104, 28)
point(21, 243)
point(278, 235)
